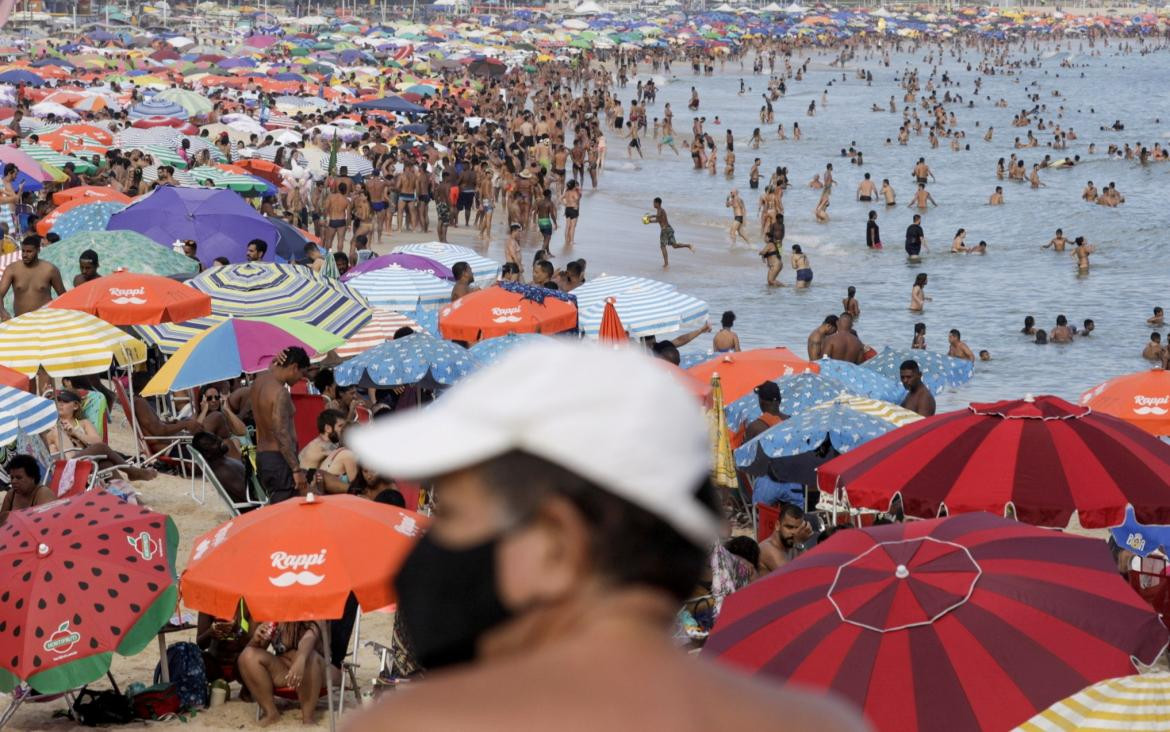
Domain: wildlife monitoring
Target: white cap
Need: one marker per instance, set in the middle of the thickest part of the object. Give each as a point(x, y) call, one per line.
point(613, 416)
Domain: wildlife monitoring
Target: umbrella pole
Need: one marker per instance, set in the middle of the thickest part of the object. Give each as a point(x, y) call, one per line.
point(60, 430)
point(328, 679)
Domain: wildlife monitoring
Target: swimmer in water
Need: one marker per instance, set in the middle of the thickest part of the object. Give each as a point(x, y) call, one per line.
point(804, 273)
point(1081, 253)
point(996, 198)
point(918, 297)
point(888, 193)
point(922, 199)
point(1058, 242)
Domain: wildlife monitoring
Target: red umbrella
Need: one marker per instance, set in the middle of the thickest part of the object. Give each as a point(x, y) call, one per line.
point(611, 329)
point(1043, 456)
point(80, 578)
point(971, 622)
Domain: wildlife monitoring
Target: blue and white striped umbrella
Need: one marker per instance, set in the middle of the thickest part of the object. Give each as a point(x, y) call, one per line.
point(646, 307)
point(158, 107)
point(485, 270)
point(353, 163)
point(401, 289)
point(693, 358)
point(24, 412)
point(845, 421)
point(419, 358)
point(938, 370)
point(862, 381)
point(797, 393)
point(489, 351)
point(89, 217)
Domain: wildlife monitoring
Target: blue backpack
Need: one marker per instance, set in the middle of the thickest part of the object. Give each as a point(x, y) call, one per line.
point(188, 675)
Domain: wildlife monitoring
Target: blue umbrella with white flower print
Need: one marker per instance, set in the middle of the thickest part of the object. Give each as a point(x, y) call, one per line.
point(419, 359)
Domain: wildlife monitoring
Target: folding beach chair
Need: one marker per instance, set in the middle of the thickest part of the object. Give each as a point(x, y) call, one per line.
point(254, 497)
point(73, 476)
point(1149, 579)
point(306, 407)
point(179, 445)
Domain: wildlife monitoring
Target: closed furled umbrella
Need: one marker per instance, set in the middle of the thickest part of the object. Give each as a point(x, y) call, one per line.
point(1042, 456)
point(960, 624)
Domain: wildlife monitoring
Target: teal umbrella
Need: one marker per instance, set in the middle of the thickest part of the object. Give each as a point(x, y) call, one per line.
point(118, 249)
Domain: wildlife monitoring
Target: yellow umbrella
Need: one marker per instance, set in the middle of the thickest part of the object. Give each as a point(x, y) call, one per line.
point(65, 343)
point(723, 471)
point(1131, 702)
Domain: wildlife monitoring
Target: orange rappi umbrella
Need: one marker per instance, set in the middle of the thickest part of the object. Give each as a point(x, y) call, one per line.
point(260, 168)
point(1142, 399)
point(300, 559)
point(611, 329)
point(507, 308)
point(127, 298)
point(741, 372)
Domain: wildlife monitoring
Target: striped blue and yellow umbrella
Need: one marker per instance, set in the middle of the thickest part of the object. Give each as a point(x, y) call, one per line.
point(261, 289)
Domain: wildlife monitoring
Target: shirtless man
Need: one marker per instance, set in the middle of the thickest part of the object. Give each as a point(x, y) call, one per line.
point(888, 193)
point(844, 345)
point(958, 349)
point(1089, 193)
point(866, 191)
point(405, 185)
point(919, 399)
point(1061, 333)
point(996, 198)
point(665, 232)
point(738, 211)
point(1058, 242)
point(32, 280)
point(512, 247)
point(922, 172)
point(329, 425)
point(281, 474)
point(921, 199)
point(816, 339)
point(1153, 349)
point(784, 544)
point(336, 217)
point(546, 219)
point(379, 190)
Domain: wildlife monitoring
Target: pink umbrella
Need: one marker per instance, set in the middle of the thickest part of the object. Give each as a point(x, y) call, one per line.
point(19, 158)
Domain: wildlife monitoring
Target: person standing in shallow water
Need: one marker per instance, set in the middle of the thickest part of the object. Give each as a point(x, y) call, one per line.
point(665, 232)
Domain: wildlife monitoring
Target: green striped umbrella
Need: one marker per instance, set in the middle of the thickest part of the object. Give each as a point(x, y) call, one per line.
point(225, 179)
point(119, 249)
point(162, 154)
point(194, 102)
point(43, 154)
point(262, 289)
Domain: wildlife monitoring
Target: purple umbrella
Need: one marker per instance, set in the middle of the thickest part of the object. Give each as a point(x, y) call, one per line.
point(406, 261)
point(219, 221)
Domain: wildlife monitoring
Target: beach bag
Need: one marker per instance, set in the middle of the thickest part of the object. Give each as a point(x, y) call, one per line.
point(157, 702)
point(188, 675)
point(94, 708)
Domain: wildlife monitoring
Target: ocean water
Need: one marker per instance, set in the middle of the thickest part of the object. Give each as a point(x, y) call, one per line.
point(986, 297)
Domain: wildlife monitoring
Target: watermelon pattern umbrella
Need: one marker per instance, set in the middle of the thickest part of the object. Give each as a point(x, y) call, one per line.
point(80, 579)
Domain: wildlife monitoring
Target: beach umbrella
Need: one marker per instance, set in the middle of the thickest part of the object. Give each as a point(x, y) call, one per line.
point(863, 381)
point(127, 298)
point(611, 329)
point(126, 250)
point(24, 163)
point(156, 107)
point(353, 163)
point(1044, 457)
point(964, 623)
point(405, 261)
point(490, 350)
point(419, 358)
point(402, 289)
point(845, 421)
point(1136, 702)
point(90, 194)
point(82, 577)
point(236, 346)
point(508, 308)
point(20, 76)
point(48, 156)
point(77, 216)
point(485, 270)
point(261, 289)
point(192, 102)
point(646, 307)
point(229, 180)
point(65, 343)
point(22, 412)
point(220, 221)
point(743, 371)
point(797, 393)
point(1142, 399)
point(938, 370)
point(381, 328)
point(391, 103)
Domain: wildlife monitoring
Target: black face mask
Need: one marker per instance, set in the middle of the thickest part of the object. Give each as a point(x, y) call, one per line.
point(448, 599)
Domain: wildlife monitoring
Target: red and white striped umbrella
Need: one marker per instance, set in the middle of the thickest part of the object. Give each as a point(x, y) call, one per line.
point(1043, 456)
point(379, 330)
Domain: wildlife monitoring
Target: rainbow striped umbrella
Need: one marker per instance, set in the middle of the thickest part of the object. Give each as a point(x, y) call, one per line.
point(234, 346)
point(65, 343)
point(262, 289)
